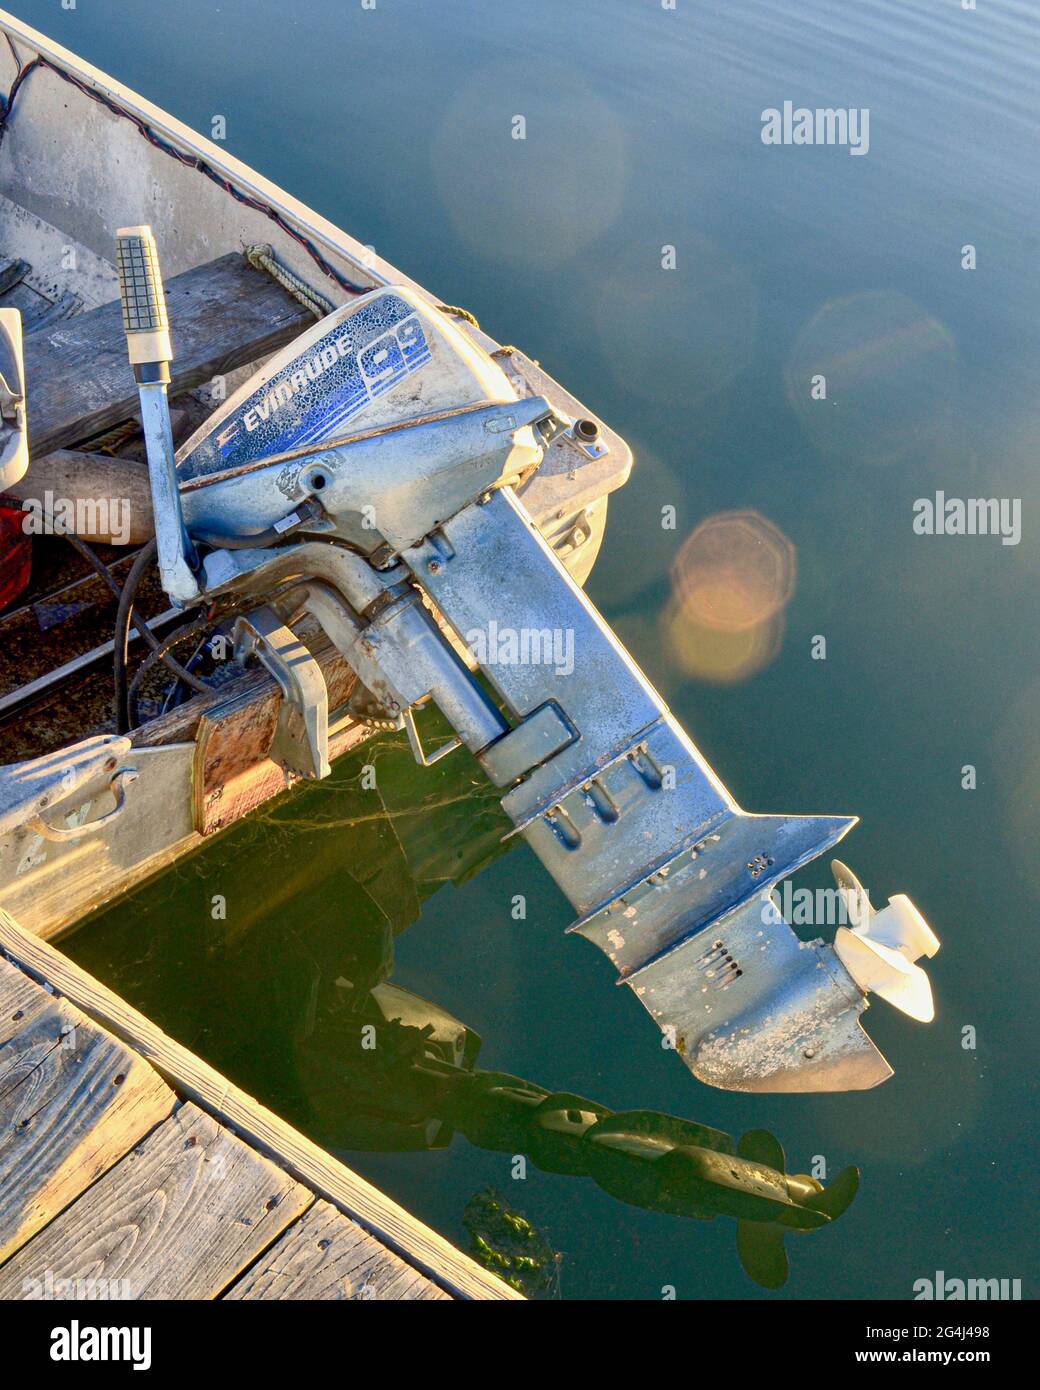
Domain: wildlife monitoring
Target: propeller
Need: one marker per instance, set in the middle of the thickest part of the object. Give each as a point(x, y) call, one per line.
point(880, 948)
point(760, 1244)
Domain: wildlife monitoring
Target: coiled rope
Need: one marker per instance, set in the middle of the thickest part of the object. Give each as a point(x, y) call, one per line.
point(262, 257)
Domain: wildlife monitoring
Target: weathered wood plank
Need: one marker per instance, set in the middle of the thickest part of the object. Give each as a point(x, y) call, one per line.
point(72, 1103)
point(222, 315)
point(324, 1255)
point(183, 1213)
point(29, 302)
point(183, 722)
point(404, 1233)
point(21, 999)
point(233, 774)
point(66, 306)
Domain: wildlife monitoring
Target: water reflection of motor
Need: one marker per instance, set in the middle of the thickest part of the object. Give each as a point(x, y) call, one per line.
point(406, 1079)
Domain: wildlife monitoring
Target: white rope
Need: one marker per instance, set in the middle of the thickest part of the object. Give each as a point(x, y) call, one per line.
point(262, 257)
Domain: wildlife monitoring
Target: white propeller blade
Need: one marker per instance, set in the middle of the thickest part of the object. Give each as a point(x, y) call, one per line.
point(880, 948)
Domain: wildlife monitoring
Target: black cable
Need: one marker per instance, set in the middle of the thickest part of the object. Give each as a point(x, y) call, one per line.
point(121, 637)
point(121, 640)
point(199, 625)
point(310, 509)
point(261, 540)
point(98, 565)
point(174, 691)
point(85, 552)
point(189, 160)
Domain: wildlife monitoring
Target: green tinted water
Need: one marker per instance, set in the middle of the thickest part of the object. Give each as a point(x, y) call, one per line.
point(643, 132)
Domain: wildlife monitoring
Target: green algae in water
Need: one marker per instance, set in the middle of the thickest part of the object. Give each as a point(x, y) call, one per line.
point(505, 1242)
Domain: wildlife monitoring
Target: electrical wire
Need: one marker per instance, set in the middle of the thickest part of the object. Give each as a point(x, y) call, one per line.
point(121, 640)
point(87, 553)
point(191, 161)
point(193, 629)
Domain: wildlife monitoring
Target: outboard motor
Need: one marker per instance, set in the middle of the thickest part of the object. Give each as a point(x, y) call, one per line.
point(368, 476)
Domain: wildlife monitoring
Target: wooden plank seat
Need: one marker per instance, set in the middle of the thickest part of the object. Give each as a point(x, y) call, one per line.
point(223, 315)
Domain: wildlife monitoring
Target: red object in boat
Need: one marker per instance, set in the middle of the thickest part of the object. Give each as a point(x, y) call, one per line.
point(15, 555)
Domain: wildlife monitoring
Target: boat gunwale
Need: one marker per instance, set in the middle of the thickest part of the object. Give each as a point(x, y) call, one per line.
point(362, 259)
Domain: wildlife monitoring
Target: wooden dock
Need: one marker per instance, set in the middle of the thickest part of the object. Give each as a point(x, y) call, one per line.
point(129, 1168)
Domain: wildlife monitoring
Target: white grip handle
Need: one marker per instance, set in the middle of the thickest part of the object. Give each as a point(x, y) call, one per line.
point(142, 295)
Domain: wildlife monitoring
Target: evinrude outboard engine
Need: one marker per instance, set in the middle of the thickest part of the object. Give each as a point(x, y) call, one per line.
point(367, 476)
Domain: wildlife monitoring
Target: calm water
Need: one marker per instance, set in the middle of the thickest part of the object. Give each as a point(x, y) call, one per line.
point(643, 132)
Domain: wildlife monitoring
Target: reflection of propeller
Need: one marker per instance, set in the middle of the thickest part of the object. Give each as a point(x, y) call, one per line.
point(760, 1244)
point(880, 948)
point(762, 1254)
